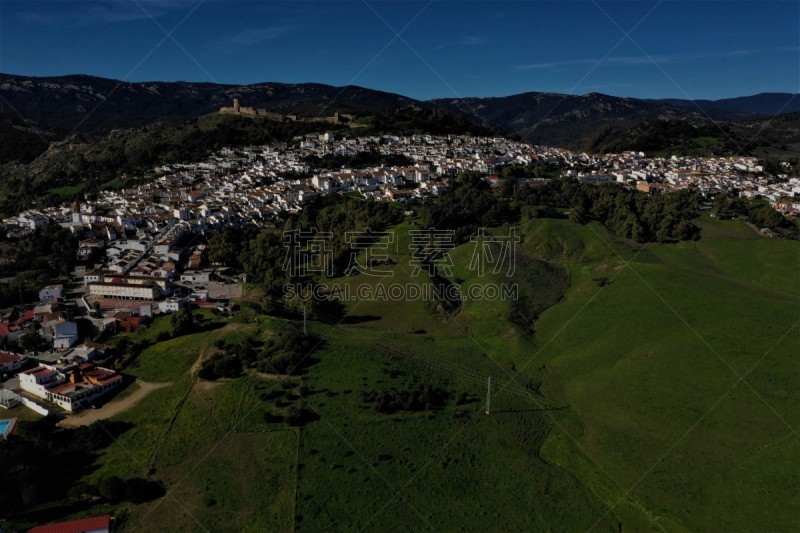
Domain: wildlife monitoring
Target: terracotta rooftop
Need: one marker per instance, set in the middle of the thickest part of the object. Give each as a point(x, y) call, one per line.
point(76, 526)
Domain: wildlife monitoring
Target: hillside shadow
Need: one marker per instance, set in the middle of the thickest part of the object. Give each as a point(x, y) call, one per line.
point(358, 319)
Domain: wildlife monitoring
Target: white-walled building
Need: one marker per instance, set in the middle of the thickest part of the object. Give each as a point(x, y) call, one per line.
point(124, 290)
point(71, 390)
point(196, 276)
point(171, 305)
point(65, 335)
point(50, 292)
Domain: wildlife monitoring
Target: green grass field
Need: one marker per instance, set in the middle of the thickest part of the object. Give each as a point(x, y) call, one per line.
point(665, 400)
point(679, 377)
point(651, 365)
point(444, 469)
point(68, 191)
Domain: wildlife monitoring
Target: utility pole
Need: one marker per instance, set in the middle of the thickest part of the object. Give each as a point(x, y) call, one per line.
point(489, 395)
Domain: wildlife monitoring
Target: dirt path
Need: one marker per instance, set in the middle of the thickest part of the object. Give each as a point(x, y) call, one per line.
point(270, 377)
point(209, 348)
point(756, 229)
point(114, 407)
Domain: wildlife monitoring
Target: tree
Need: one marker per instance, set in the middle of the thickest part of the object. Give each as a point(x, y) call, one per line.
point(182, 322)
point(31, 340)
point(139, 490)
point(229, 366)
point(112, 489)
point(32, 495)
point(225, 246)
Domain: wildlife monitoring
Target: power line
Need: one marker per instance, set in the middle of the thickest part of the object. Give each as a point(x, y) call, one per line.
point(489, 395)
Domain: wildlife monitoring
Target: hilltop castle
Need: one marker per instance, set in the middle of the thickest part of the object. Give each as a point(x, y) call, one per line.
point(237, 109)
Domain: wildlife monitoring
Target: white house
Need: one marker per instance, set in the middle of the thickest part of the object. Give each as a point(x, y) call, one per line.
point(92, 277)
point(124, 290)
point(50, 292)
point(72, 390)
point(171, 305)
point(195, 276)
point(84, 353)
point(34, 380)
point(65, 335)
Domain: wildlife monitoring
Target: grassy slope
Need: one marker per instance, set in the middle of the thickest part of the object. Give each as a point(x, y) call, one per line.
point(221, 470)
point(447, 469)
point(443, 470)
point(639, 363)
point(650, 366)
point(624, 379)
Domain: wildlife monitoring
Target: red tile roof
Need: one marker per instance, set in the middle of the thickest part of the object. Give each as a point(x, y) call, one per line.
point(38, 370)
point(8, 357)
point(75, 526)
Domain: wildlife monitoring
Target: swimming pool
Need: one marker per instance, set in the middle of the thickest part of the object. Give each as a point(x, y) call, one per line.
point(6, 426)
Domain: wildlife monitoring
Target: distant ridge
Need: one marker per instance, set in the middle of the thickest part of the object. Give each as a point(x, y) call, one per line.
point(97, 105)
point(760, 104)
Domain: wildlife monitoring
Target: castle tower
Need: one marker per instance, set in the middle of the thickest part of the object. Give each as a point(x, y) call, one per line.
point(236, 105)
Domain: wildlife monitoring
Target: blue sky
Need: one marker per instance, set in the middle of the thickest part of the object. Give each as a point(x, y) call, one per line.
point(445, 48)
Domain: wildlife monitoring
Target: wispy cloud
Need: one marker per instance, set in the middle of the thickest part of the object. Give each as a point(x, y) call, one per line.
point(255, 36)
point(632, 61)
point(467, 40)
point(473, 40)
point(103, 11)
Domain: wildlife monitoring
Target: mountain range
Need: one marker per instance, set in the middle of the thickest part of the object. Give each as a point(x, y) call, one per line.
point(95, 106)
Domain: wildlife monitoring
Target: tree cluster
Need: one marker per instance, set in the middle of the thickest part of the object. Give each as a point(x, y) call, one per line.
point(285, 352)
point(115, 489)
point(35, 450)
point(757, 211)
point(624, 212)
point(230, 361)
point(262, 253)
point(50, 250)
point(468, 204)
point(421, 398)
